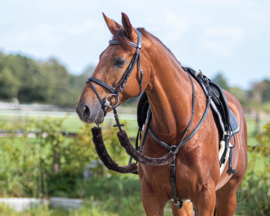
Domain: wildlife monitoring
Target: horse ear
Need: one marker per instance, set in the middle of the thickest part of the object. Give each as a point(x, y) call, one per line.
point(130, 31)
point(112, 25)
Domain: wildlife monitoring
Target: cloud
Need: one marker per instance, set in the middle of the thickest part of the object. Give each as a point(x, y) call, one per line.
point(220, 2)
point(178, 26)
point(172, 26)
point(53, 34)
point(223, 40)
point(77, 29)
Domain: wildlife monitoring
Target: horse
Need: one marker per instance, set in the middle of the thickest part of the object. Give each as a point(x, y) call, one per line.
point(169, 92)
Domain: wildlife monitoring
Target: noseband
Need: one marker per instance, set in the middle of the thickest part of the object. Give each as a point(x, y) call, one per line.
point(122, 82)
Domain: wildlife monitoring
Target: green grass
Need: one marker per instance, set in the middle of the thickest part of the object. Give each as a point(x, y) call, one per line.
point(115, 196)
point(71, 124)
point(74, 124)
point(44, 210)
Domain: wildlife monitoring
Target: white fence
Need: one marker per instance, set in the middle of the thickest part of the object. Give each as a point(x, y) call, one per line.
point(58, 114)
point(20, 204)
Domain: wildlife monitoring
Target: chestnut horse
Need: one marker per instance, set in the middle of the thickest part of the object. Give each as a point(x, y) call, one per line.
point(169, 91)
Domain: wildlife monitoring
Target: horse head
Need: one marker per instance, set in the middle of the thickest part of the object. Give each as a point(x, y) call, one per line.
point(99, 94)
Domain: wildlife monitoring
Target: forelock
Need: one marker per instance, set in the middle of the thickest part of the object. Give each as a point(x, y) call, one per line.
point(122, 38)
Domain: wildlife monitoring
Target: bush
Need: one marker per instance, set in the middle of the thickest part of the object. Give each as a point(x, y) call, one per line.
point(255, 189)
point(51, 163)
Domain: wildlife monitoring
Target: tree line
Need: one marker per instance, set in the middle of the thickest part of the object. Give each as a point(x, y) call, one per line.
point(49, 82)
point(46, 82)
point(256, 98)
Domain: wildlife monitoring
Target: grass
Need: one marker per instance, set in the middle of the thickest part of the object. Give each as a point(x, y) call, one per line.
point(71, 124)
point(115, 196)
point(86, 210)
point(74, 124)
point(44, 210)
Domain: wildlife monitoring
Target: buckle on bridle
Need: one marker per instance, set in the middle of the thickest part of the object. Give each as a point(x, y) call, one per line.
point(174, 149)
point(107, 103)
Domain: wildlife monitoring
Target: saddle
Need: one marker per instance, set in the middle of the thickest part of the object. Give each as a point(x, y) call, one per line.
point(224, 117)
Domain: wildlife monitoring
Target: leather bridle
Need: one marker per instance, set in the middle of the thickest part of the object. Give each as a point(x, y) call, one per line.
point(115, 91)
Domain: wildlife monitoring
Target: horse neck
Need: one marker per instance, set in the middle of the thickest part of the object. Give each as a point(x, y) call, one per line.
point(170, 96)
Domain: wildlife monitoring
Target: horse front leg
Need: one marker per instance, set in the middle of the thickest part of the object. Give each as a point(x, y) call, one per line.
point(205, 201)
point(153, 203)
point(186, 210)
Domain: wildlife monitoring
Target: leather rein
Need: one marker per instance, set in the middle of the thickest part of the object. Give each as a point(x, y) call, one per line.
point(115, 91)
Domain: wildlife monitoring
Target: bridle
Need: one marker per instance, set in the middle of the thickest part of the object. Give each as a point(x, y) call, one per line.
point(115, 91)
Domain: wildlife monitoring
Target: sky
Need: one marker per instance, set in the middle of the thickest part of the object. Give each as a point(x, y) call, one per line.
point(232, 36)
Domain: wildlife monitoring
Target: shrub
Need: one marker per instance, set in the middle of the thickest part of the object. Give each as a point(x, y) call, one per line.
point(51, 163)
point(256, 185)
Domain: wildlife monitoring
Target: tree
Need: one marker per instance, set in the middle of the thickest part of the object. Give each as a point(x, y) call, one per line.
point(9, 84)
point(221, 80)
point(240, 94)
point(257, 90)
point(88, 71)
point(34, 81)
point(266, 92)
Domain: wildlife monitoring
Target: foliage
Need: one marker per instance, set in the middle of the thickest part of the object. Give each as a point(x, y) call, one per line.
point(221, 80)
point(266, 93)
point(27, 169)
point(44, 210)
point(35, 81)
point(240, 94)
point(256, 185)
point(259, 96)
point(51, 163)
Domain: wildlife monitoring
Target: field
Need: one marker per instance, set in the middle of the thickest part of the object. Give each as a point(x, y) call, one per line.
point(74, 124)
point(122, 191)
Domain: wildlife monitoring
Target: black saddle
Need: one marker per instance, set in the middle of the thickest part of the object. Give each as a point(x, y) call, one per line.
point(223, 115)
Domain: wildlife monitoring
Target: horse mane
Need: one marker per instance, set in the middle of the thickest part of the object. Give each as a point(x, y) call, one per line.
point(122, 37)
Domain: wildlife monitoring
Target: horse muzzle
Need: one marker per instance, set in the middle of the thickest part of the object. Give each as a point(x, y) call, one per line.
point(90, 113)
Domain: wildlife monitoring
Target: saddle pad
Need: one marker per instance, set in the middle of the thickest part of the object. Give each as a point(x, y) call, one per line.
point(234, 123)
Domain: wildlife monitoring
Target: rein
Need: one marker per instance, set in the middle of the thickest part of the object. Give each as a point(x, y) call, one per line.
point(122, 136)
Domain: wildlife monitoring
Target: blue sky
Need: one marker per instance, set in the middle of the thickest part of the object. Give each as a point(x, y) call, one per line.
point(212, 35)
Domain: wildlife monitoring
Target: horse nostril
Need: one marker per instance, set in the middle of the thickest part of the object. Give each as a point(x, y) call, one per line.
point(86, 112)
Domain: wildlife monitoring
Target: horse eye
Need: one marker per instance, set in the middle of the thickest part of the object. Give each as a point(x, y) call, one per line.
point(118, 62)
